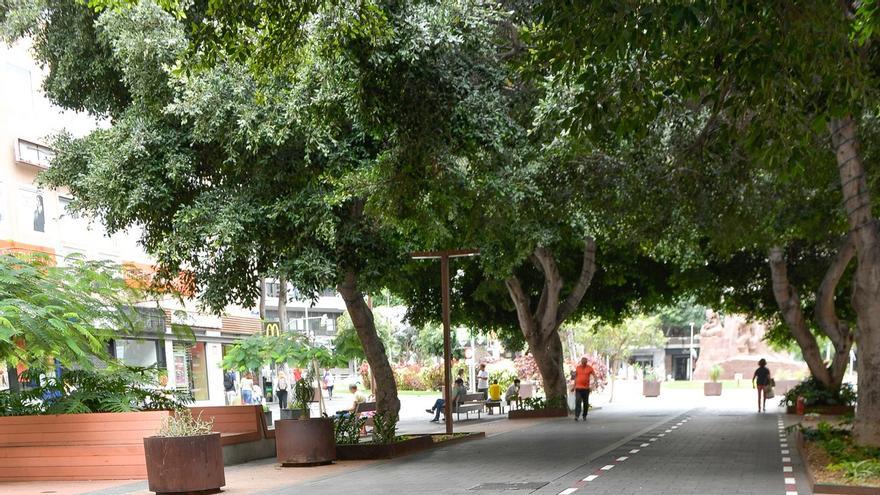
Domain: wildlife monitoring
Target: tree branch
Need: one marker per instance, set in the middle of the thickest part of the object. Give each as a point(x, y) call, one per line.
point(521, 302)
point(826, 314)
point(790, 305)
point(588, 269)
point(552, 287)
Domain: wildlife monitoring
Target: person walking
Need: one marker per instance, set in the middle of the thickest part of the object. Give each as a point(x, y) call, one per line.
point(229, 387)
point(582, 375)
point(329, 382)
point(247, 388)
point(760, 381)
point(483, 381)
point(281, 389)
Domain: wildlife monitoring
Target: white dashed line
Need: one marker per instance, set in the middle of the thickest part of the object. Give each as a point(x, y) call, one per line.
point(790, 481)
point(591, 477)
point(568, 491)
point(608, 467)
point(652, 440)
point(644, 445)
point(785, 469)
point(621, 459)
point(785, 451)
point(791, 493)
point(783, 444)
point(786, 459)
point(634, 451)
point(662, 435)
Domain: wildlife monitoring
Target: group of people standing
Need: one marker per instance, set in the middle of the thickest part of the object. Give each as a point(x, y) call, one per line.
point(248, 390)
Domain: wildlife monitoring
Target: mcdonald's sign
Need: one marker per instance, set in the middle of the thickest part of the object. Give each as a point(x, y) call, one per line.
point(272, 329)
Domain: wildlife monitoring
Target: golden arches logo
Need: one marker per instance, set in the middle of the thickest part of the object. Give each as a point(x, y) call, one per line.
point(272, 330)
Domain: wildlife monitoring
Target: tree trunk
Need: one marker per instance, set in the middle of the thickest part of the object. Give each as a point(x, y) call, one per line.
point(789, 304)
point(262, 307)
point(866, 283)
point(362, 318)
point(612, 371)
point(283, 323)
point(541, 326)
point(548, 356)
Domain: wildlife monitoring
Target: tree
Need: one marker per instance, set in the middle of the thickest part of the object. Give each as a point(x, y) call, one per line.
point(238, 165)
point(617, 341)
point(745, 71)
point(67, 313)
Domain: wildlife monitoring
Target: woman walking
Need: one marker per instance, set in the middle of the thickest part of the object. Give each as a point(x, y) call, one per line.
point(281, 390)
point(761, 380)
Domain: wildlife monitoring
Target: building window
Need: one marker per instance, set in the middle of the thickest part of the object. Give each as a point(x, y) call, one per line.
point(191, 369)
point(273, 289)
point(33, 211)
point(141, 353)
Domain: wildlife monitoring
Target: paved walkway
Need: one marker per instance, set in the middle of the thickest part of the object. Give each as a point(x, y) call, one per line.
point(680, 444)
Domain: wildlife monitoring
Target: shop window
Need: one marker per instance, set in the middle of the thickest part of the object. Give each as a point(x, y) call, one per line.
point(141, 353)
point(191, 369)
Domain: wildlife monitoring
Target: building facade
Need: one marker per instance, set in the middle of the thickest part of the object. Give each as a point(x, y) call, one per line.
point(36, 219)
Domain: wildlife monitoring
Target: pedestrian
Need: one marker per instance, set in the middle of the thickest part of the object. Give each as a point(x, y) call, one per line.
point(582, 375)
point(457, 396)
point(329, 382)
point(229, 387)
point(483, 381)
point(760, 381)
point(281, 390)
point(247, 388)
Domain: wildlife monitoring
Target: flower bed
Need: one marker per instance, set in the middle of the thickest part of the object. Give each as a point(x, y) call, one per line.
point(405, 445)
point(834, 465)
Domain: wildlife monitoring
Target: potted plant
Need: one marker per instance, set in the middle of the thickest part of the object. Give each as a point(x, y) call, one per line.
point(713, 387)
point(267, 413)
point(185, 456)
point(304, 441)
point(650, 383)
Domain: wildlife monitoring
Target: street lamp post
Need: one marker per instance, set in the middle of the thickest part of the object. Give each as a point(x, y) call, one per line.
point(447, 344)
point(691, 355)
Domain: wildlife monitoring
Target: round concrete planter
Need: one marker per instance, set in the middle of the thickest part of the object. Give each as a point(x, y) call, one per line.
point(712, 389)
point(191, 465)
point(305, 442)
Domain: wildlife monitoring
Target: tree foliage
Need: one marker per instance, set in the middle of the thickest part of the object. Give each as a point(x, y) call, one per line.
point(68, 312)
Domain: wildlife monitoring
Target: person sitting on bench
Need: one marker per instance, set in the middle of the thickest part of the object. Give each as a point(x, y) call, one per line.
point(457, 395)
point(512, 394)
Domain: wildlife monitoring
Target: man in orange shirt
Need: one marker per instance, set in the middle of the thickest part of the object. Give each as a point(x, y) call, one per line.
point(582, 388)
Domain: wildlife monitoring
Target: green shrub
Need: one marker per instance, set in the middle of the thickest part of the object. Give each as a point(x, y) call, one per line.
point(385, 427)
point(815, 394)
point(347, 429)
point(116, 388)
point(409, 377)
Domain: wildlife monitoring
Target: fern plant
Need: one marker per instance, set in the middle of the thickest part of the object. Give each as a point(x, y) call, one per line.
point(116, 388)
point(385, 427)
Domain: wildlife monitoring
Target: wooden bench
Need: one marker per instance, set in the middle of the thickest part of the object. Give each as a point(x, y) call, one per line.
point(96, 446)
point(470, 403)
point(492, 404)
point(235, 424)
point(366, 407)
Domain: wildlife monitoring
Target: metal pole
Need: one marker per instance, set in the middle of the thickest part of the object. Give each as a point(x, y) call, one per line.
point(447, 345)
point(691, 355)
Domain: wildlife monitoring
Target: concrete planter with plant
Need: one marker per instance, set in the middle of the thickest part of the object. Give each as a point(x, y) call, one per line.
point(650, 384)
point(304, 441)
point(713, 388)
point(184, 457)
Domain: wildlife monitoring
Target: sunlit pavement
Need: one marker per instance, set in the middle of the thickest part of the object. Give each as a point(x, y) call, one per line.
point(713, 445)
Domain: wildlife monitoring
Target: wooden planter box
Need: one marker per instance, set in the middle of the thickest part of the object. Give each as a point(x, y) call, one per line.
point(826, 489)
point(367, 451)
point(651, 389)
point(826, 410)
point(305, 442)
point(555, 412)
point(94, 446)
point(185, 465)
point(712, 389)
